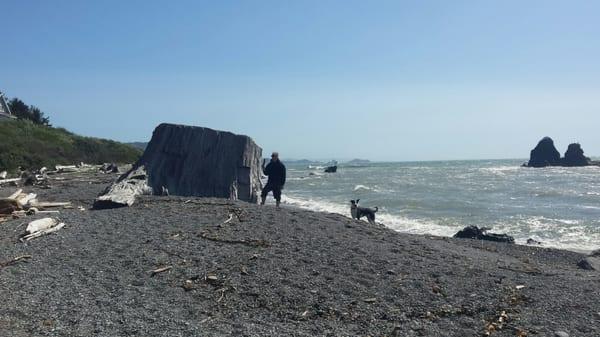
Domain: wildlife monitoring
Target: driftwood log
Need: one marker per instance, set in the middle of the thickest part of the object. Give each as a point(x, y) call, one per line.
point(45, 204)
point(11, 180)
point(40, 224)
point(43, 232)
point(66, 168)
point(8, 206)
point(41, 227)
point(124, 190)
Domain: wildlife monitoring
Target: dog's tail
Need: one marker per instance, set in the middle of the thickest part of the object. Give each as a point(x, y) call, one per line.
point(376, 209)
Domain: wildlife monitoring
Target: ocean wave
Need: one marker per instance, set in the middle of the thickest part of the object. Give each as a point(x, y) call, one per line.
point(501, 170)
point(569, 234)
point(395, 222)
point(588, 207)
point(559, 233)
point(362, 187)
point(317, 205)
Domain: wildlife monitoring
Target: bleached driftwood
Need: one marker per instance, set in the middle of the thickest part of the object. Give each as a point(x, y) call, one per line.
point(25, 199)
point(66, 168)
point(124, 190)
point(23, 203)
point(42, 204)
point(160, 270)
point(43, 232)
point(41, 224)
point(15, 260)
point(11, 180)
point(33, 211)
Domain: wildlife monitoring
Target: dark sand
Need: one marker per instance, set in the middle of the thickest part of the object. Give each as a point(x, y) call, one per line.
point(271, 272)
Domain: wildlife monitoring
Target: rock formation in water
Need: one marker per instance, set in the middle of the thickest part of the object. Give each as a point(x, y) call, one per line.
point(544, 154)
point(574, 156)
point(191, 161)
point(590, 262)
point(474, 232)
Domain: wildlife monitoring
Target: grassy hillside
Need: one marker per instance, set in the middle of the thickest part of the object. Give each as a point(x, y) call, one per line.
point(139, 145)
point(23, 143)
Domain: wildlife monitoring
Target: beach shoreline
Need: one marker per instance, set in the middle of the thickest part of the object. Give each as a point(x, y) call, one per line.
point(242, 269)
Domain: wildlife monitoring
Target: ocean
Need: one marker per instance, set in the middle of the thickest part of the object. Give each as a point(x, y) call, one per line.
point(557, 206)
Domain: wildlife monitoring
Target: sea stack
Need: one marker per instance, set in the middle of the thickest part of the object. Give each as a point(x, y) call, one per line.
point(574, 156)
point(544, 154)
point(190, 161)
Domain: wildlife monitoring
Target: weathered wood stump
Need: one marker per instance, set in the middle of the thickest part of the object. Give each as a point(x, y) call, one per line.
point(191, 161)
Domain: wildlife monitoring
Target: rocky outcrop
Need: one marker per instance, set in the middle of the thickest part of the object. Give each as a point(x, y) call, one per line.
point(474, 232)
point(590, 262)
point(574, 156)
point(191, 161)
point(544, 154)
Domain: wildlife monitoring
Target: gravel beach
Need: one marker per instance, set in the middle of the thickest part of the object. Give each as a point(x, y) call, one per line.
point(233, 268)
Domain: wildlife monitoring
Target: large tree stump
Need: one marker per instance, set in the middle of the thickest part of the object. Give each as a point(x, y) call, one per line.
point(191, 161)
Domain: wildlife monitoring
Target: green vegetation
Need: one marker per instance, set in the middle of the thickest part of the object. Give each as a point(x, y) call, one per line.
point(32, 146)
point(29, 112)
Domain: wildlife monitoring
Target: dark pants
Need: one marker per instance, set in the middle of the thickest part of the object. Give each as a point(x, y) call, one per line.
point(271, 187)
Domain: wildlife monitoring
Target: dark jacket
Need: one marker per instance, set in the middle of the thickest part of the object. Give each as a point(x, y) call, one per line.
point(276, 172)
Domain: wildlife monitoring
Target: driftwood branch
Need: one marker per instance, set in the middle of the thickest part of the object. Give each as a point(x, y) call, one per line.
point(239, 214)
point(11, 180)
point(25, 199)
point(43, 232)
point(49, 204)
point(226, 221)
point(14, 261)
point(41, 224)
point(160, 270)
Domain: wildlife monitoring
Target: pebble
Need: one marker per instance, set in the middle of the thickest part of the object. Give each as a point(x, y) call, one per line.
point(560, 334)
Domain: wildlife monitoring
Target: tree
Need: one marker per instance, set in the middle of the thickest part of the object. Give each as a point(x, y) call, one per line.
point(30, 112)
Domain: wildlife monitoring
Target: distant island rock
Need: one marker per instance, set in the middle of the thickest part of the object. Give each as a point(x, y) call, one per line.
point(574, 156)
point(298, 161)
point(358, 162)
point(545, 154)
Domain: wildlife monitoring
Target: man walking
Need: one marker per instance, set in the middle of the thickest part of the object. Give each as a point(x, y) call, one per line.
point(275, 170)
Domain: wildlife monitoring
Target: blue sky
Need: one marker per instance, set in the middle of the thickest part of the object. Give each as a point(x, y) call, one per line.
point(383, 80)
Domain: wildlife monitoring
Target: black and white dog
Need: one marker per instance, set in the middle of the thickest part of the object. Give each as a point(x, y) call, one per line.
point(358, 212)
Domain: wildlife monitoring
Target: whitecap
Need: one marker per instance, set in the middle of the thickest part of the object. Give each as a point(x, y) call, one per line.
point(396, 222)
